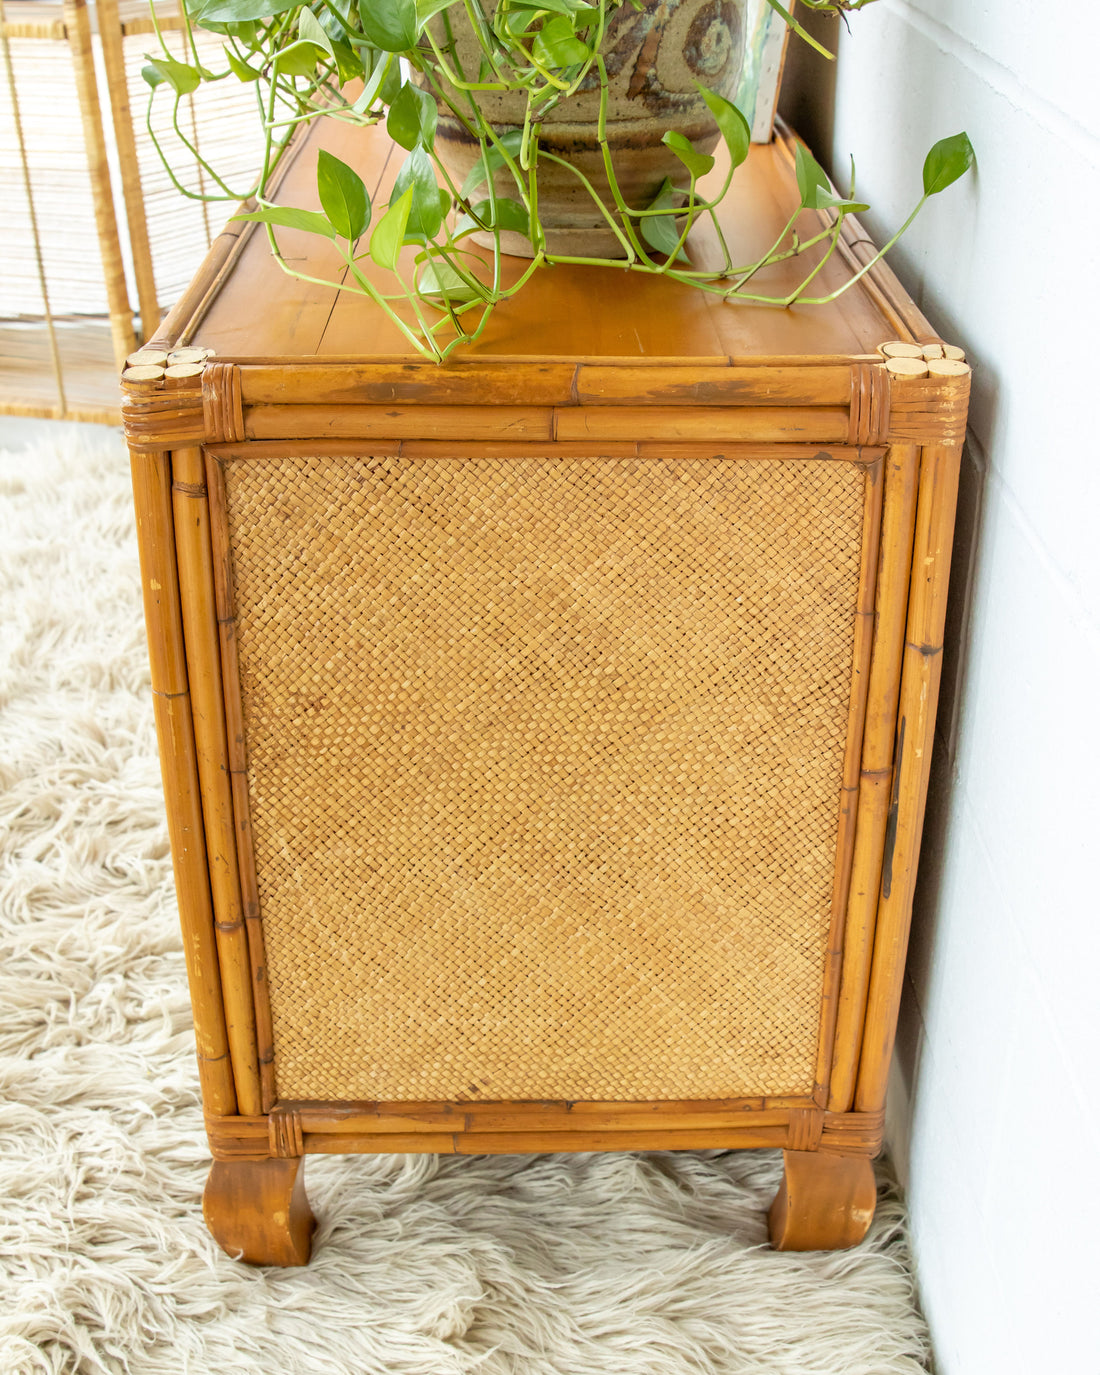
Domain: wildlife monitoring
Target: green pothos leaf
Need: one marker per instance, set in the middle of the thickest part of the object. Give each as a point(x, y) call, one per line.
point(426, 210)
point(412, 118)
point(384, 64)
point(343, 196)
point(698, 164)
point(392, 25)
point(826, 199)
point(810, 176)
point(659, 231)
point(241, 70)
point(503, 214)
point(309, 28)
point(389, 232)
point(309, 221)
point(428, 9)
point(182, 78)
point(946, 162)
point(438, 278)
point(349, 62)
point(240, 11)
point(732, 125)
point(298, 59)
point(557, 45)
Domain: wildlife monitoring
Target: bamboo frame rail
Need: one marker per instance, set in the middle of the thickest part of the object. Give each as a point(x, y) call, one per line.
point(546, 384)
point(823, 404)
point(292, 1129)
point(818, 425)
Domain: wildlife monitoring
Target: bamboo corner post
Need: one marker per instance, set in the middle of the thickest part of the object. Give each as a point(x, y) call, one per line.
point(152, 483)
point(268, 478)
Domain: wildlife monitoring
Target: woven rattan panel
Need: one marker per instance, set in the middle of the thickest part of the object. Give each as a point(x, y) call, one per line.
point(544, 767)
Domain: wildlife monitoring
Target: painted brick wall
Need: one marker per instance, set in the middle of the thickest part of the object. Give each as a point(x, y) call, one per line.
point(994, 1119)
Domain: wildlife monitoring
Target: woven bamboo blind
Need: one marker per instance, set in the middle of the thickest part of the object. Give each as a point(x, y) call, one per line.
point(220, 119)
point(97, 240)
point(532, 745)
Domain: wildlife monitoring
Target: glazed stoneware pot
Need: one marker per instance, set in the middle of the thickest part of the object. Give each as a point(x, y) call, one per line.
point(655, 55)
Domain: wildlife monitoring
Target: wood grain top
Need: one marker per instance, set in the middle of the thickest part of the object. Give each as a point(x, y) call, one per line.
point(245, 307)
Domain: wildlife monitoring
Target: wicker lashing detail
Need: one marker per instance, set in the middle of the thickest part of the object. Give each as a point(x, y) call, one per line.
point(929, 410)
point(239, 1138)
point(284, 1127)
point(804, 1129)
point(221, 403)
point(870, 417)
point(532, 745)
point(156, 416)
point(853, 1133)
point(839, 1133)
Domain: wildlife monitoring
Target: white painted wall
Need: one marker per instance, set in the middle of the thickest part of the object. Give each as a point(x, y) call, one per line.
point(995, 1122)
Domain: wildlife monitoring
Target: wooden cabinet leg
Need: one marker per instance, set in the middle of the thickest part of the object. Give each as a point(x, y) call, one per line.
point(257, 1210)
point(825, 1202)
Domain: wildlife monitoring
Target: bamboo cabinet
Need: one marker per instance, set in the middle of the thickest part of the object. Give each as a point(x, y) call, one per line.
point(545, 735)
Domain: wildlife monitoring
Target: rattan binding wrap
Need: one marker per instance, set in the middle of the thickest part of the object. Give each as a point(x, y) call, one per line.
point(532, 745)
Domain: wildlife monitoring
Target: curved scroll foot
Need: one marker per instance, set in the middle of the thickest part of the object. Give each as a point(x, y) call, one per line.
point(257, 1210)
point(825, 1202)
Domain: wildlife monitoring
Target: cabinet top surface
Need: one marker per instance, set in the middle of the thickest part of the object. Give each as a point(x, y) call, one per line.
point(244, 306)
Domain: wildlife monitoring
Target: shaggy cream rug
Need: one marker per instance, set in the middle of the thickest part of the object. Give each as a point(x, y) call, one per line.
point(547, 1265)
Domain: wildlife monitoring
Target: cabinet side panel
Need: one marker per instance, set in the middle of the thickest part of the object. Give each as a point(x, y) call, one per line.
point(545, 759)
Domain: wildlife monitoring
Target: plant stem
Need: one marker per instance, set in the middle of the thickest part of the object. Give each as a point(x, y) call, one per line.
point(613, 224)
point(882, 252)
point(806, 37)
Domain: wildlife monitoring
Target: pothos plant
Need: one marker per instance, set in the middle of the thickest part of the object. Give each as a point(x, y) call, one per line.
point(397, 61)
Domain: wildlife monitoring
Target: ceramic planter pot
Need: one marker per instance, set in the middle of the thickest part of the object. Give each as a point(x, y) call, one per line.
point(654, 55)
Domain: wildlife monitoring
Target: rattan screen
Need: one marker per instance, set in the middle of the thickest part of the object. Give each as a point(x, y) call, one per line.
point(544, 768)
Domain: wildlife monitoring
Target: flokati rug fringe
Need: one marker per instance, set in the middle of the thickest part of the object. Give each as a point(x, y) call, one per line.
point(511, 1265)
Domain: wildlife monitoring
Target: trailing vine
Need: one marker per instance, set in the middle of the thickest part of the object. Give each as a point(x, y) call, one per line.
point(397, 62)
